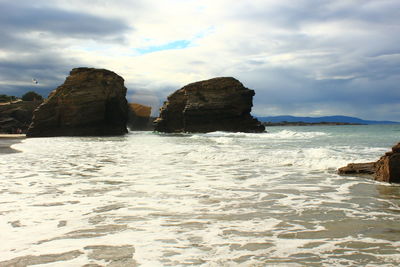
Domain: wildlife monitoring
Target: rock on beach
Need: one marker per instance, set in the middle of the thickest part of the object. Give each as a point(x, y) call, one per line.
point(386, 169)
point(16, 116)
point(91, 102)
point(139, 117)
point(218, 104)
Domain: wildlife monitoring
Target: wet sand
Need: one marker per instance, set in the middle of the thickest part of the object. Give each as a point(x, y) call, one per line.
point(7, 140)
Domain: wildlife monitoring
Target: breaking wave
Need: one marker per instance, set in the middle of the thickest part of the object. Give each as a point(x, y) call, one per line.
point(215, 199)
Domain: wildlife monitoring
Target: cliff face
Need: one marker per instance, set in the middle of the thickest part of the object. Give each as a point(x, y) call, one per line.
point(139, 117)
point(90, 102)
point(16, 117)
point(219, 104)
point(386, 169)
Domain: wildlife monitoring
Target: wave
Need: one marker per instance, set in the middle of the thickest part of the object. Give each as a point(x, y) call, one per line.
point(225, 198)
point(284, 134)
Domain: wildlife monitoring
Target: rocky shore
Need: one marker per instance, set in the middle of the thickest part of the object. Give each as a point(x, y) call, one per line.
point(218, 104)
point(16, 116)
point(386, 169)
point(139, 117)
point(91, 102)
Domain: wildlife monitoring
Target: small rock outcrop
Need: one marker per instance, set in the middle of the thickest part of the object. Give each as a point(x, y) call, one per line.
point(219, 104)
point(91, 102)
point(358, 168)
point(386, 169)
point(15, 117)
point(139, 117)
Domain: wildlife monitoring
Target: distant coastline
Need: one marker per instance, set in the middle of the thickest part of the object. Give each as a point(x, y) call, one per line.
point(301, 123)
point(287, 120)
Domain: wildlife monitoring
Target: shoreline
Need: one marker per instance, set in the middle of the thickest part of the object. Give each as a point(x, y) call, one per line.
point(300, 123)
point(7, 140)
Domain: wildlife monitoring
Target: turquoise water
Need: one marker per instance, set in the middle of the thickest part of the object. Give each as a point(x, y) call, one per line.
point(216, 199)
point(352, 135)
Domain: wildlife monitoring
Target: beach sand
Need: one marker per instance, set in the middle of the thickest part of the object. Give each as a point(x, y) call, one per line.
point(7, 140)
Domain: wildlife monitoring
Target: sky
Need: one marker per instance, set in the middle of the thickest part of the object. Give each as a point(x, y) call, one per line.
point(302, 57)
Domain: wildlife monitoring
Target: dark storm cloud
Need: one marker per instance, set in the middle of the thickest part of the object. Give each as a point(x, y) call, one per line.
point(49, 69)
point(31, 39)
point(22, 19)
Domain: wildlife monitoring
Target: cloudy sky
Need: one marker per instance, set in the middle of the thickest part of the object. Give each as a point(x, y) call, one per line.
point(302, 57)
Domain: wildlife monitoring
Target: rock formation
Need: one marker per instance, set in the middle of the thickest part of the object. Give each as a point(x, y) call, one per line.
point(219, 104)
point(15, 117)
point(91, 102)
point(386, 169)
point(139, 117)
point(358, 168)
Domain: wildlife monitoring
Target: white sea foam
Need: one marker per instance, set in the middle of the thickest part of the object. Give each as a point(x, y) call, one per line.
point(205, 199)
point(283, 134)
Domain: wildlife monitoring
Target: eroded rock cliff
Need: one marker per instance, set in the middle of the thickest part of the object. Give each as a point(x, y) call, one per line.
point(386, 169)
point(15, 117)
point(219, 104)
point(139, 117)
point(91, 102)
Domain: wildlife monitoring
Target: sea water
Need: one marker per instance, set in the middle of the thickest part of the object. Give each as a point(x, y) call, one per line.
point(215, 199)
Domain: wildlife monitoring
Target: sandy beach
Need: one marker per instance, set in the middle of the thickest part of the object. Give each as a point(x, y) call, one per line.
point(7, 140)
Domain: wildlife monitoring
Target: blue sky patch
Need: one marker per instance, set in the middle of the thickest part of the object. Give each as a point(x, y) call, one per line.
point(180, 44)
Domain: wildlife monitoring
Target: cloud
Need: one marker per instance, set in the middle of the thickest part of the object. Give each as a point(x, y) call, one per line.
point(301, 57)
point(25, 19)
point(35, 41)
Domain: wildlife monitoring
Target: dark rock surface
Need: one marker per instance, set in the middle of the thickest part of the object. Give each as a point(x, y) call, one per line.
point(15, 117)
point(139, 117)
point(386, 169)
point(358, 168)
point(388, 166)
point(91, 102)
point(219, 104)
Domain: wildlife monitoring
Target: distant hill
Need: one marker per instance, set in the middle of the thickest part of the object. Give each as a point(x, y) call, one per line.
point(340, 119)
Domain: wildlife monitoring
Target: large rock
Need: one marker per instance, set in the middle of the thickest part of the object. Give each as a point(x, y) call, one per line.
point(139, 117)
point(219, 104)
point(386, 169)
point(91, 102)
point(15, 117)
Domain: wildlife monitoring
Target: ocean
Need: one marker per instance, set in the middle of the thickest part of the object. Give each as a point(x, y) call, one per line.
point(215, 199)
